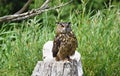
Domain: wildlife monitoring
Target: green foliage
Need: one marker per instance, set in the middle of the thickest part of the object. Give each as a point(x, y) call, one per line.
point(98, 37)
point(20, 48)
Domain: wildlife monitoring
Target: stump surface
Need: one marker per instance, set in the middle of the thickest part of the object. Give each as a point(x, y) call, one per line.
point(54, 68)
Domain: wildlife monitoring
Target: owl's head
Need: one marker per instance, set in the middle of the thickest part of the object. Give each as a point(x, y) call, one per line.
point(63, 27)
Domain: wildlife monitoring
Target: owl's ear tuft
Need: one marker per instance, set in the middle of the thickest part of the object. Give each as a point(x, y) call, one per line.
point(69, 23)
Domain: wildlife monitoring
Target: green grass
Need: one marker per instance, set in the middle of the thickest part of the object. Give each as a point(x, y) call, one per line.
point(98, 37)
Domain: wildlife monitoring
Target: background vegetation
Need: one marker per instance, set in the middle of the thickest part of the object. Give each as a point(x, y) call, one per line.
point(96, 24)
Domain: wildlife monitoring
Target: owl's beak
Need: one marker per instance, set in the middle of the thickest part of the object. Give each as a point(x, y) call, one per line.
point(64, 30)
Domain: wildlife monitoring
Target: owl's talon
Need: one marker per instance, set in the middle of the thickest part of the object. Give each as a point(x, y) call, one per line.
point(67, 59)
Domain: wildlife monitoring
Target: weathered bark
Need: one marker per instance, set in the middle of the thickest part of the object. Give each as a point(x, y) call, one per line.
point(53, 68)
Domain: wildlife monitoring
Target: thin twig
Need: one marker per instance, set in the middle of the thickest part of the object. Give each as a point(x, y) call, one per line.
point(24, 7)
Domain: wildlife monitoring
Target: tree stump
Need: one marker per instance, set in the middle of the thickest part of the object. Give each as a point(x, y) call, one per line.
point(54, 68)
point(50, 67)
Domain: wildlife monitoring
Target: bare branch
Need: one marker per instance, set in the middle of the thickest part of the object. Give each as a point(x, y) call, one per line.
point(59, 6)
point(45, 4)
point(31, 13)
point(24, 7)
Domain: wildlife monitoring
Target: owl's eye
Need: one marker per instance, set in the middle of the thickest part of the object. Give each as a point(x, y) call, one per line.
point(62, 25)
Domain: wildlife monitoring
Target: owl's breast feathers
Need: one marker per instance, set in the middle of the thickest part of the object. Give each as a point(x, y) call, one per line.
point(68, 41)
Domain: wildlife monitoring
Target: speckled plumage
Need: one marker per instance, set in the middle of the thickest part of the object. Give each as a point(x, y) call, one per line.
point(65, 42)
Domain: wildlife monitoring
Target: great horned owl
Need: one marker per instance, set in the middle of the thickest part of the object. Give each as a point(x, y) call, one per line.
point(65, 42)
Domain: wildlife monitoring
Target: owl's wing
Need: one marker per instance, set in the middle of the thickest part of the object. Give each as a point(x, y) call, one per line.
point(56, 45)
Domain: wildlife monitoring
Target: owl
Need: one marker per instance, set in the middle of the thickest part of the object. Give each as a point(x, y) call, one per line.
point(65, 42)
